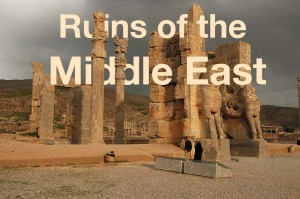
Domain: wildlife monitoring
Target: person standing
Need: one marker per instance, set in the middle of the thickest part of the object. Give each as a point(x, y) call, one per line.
point(198, 150)
point(187, 148)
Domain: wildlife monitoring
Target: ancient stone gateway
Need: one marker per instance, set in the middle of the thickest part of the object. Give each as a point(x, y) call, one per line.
point(84, 122)
point(209, 112)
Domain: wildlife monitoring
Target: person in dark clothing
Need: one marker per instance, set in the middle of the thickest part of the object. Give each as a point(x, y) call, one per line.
point(198, 150)
point(187, 148)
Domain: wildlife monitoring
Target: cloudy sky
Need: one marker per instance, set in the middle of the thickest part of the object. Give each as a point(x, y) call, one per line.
point(30, 31)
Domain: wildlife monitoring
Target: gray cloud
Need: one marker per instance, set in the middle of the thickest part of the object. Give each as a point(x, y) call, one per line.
point(30, 31)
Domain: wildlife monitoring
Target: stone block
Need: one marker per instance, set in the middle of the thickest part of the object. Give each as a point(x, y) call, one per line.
point(184, 55)
point(215, 149)
point(158, 127)
point(249, 148)
point(237, 128)
point(163, 111)
point(181, 72)
point(156, 40)
point(162, 94)
point(162, 78)
point(175, 60)
point(183, 44)
point(209, 169)
point(179, 109)
point(181, 89)
point(169, 164)
point(173, 50)
point(176, 130)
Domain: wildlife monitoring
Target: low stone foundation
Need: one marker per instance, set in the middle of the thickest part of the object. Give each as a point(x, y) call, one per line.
point(210, 169)
point(249, 148)
point(127, 140)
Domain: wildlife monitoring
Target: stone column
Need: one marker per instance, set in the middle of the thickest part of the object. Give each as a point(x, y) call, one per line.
point(192, 45)
point(79, 114)
point(299, 96)
point(120, 64)
point(36, 95)
point(98, 56)
point(47, 112)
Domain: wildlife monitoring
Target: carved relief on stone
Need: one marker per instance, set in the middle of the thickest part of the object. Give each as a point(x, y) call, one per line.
point(99, 32)
point(120, 45)
point(243, 104)
point(210, 97)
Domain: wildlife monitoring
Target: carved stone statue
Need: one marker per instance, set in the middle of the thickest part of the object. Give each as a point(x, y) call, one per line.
point(245, 104)
point(210, 98)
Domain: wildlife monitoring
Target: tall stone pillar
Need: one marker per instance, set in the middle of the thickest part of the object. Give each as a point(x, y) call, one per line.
point(120, 63)
point(299, 96)
point(36, 95)
point(192, 45)
point(98, 56)
point(79, 114)
point(47, 112)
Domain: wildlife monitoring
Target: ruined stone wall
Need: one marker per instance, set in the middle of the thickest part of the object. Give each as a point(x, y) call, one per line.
point(173, 107)
point(46, 114)
point(78, 124)
point(43, 102)
point(165, 112)
point(86, 105)
point(36, 89)
point(205, 112)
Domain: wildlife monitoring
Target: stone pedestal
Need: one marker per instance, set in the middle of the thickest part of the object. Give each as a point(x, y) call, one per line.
point(249, 148)
point(215, 149)
point(47, 141)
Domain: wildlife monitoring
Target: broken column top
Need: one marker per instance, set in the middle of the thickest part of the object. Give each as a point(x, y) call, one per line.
point(195, 12)
point(37, 66)
point(241, 46)
point(99, 30)
point(120, 44)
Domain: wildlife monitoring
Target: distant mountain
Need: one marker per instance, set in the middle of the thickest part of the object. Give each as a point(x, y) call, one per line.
point(15, 100)
point(280, 116)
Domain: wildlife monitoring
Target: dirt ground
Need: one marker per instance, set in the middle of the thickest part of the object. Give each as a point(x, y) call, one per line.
point(277, 177)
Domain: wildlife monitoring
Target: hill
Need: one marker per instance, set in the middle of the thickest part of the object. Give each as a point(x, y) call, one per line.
point(280, 116)
point(15, 101)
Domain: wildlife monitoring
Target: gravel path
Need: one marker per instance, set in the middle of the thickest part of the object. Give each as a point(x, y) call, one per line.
point(277, 177)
